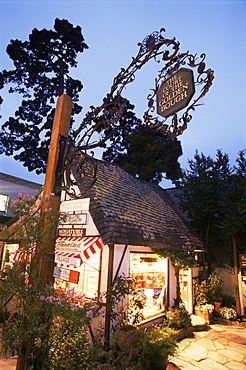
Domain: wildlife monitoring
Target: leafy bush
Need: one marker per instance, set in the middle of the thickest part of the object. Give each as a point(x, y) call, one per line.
point(228, 301)
point(148, 349)
point(46, 328)
point(177, 318)
point(208, 290)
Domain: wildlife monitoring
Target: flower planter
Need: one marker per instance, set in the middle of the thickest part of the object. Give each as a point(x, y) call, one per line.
point(206, 315)
point(183, 333)
point(217, 306)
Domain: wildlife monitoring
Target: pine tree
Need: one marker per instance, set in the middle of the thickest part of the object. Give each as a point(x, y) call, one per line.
point(41, 73)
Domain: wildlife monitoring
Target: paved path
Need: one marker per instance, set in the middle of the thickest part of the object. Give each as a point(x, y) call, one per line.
point(220, 347)
point(8, 364)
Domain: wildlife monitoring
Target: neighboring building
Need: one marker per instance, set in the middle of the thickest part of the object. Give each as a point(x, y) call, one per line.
point(10, 187)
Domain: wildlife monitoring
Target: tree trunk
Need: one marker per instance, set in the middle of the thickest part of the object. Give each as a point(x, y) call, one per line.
point(22, 361)
point(238, 306)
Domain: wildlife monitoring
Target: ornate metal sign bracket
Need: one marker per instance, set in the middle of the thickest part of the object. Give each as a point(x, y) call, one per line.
point(175, 62)
point(105, 119)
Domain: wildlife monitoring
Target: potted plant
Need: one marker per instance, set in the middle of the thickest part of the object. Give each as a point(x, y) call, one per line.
point(208, 291)
point(205, 311)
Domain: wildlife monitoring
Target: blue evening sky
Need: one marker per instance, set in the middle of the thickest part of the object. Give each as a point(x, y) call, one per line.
point(113, 28)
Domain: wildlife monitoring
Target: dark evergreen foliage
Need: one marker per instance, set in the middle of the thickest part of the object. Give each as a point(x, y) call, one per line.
point(144, 152)
point(213, 195)
point(41, 73)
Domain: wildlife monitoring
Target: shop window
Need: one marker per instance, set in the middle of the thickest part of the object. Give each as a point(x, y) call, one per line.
point(89, 275)
point(4, 202)
point(149, 273)
point(9, 254)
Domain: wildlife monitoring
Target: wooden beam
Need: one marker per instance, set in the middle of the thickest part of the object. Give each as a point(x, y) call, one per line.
point(109, 294)
point(60, 129)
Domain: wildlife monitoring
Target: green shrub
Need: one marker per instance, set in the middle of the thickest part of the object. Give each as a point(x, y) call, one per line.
point(208, 290)
point(228, 301)
point(148, 349)
point(177, 318)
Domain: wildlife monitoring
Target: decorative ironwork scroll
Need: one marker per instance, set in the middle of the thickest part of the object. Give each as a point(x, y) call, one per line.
point(173, 63)
point(79, 172)
point(105, 119)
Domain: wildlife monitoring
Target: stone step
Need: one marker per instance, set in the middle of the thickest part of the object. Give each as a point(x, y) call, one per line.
point(198, 323)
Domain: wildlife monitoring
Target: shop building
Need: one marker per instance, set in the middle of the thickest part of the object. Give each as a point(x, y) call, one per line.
point(114, 230)
point(113, 224)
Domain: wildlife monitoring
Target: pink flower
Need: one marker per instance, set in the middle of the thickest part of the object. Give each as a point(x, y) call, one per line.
point(89, 314)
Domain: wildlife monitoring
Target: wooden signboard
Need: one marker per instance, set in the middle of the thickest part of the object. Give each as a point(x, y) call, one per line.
point(74, 277)
point(69, 245)
point(75, 219)
point(71, 233)
point(75, 205)
point(242, 261)
point(175, 92)
point(71, 262)
point(66, 275)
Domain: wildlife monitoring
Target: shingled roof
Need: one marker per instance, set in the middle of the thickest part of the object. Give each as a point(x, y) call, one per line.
point(130, 211)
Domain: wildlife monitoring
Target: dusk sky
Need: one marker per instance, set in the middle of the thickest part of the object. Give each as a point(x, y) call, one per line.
point(112, 29)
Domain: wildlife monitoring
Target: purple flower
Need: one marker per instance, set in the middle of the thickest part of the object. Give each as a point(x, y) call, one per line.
point(100, 311)
point(73, 306)
point(89, 314)
point(50, 299)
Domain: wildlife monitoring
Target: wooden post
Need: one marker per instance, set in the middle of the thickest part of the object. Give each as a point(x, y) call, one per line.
point(109, 294)
point(238, 305)
point(60, 129)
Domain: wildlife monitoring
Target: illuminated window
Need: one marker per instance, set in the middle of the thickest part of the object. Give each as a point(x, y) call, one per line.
point(148, 271)
point(9, 254)
point(89, 274)
point(4, 202)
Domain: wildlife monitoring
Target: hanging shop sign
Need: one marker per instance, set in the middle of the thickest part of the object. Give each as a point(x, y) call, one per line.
point(242, 261)
point(66, 275)
point(75, 219)
point(175, 92)
point(71, 232)
point(70, 261)
point(75, 205)
point(70, 245)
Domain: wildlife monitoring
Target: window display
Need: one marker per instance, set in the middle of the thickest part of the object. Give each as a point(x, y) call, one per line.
point(88, 277)
point(148, 272)
point(9, 254)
